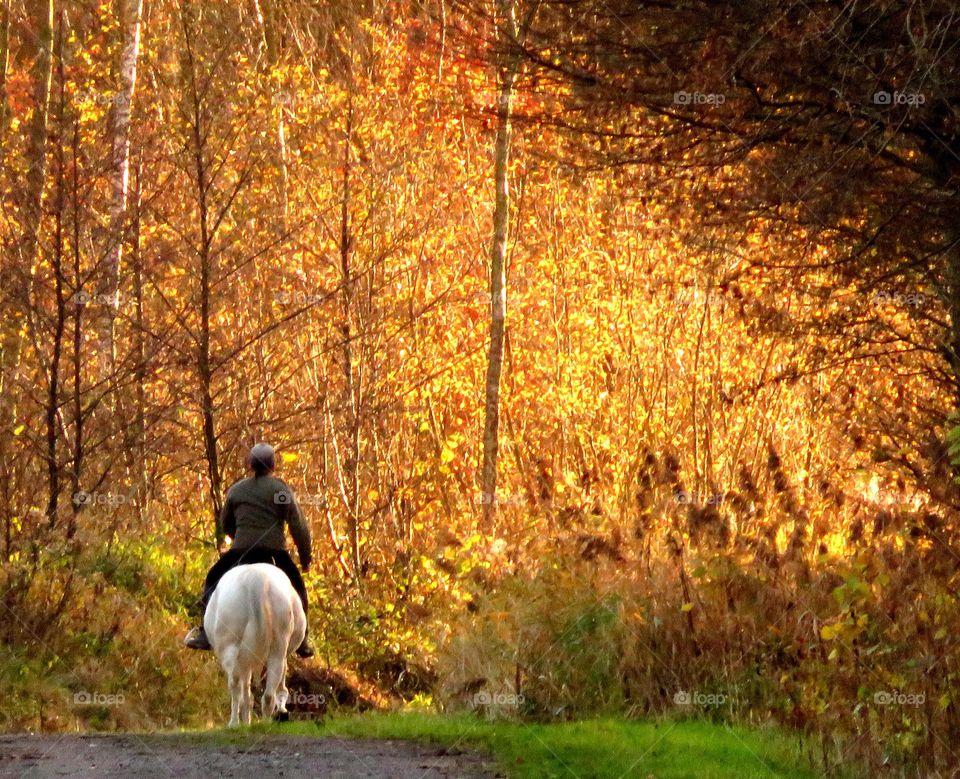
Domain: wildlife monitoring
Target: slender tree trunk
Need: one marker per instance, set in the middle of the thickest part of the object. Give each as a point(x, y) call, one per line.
point(507, 74)
point(17, 268)
point(18, 271)
point(139, 350)
point(331, 531)
point(60, 317)
point(205, 368)
point(4, 62)
point(351, 390)
point(206, 401)
point(77, 366)
point(109, 283)
point(443, 39)
point(204, 365)
point(268, 33)
point(953, 308)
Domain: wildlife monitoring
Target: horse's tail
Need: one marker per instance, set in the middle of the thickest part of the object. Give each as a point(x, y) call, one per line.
point(258, 629)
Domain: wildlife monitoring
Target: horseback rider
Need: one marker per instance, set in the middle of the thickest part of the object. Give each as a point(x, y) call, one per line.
point(254, 515)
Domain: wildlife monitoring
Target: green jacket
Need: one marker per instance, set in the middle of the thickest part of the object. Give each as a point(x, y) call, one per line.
point(256, 511)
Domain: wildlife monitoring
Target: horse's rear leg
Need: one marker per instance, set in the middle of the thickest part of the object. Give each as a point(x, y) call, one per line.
point(236, 695)
point(231, 668)
point(246, 706)
point(274, 689)
point(282, 694)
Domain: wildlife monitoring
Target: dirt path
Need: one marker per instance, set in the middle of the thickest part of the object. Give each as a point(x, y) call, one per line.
point(246, 757)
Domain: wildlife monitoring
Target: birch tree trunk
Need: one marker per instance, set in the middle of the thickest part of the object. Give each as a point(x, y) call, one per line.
point(507, 73)
point(109, 283)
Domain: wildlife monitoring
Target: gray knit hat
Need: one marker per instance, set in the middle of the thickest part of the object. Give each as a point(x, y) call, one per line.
point(262, 460)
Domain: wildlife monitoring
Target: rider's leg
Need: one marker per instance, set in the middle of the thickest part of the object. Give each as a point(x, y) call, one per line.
point(227, 560)
point(197, 638)
point(285, 563)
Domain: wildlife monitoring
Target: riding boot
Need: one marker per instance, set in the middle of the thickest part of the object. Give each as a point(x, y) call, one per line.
point(197, 639)
point(306, 648)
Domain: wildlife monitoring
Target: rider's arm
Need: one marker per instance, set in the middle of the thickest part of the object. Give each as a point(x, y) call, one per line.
point(300, 531)
point(228, 520)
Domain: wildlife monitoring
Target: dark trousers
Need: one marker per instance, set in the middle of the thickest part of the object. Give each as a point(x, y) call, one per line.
point(234, 557)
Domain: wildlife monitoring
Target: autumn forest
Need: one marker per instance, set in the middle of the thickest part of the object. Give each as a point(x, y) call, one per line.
point(611, 349)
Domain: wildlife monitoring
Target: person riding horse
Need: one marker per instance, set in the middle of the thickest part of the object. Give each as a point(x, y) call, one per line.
point(254, 515)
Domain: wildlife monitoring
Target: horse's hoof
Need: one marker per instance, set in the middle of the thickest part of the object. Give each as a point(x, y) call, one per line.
point(281, 716)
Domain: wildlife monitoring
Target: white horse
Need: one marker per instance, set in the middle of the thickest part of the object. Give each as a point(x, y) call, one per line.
point(255, 619)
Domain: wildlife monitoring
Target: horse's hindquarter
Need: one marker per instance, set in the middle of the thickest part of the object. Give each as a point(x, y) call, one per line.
point(254, 620)
point(256, 612)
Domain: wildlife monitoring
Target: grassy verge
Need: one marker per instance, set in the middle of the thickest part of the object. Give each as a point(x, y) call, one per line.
point(591, 749)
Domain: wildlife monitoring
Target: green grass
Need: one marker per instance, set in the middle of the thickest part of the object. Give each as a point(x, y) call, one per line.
point(589, 749)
